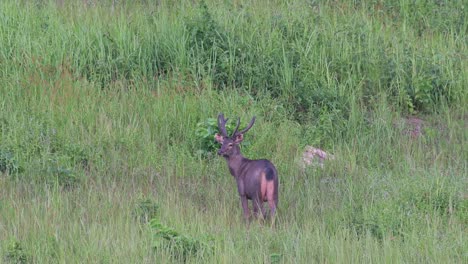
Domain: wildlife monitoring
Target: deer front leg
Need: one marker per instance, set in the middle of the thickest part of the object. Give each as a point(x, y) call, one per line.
point(243, 197)
point(245, 207)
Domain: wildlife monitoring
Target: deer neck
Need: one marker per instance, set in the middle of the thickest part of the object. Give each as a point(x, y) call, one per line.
point(235, 163)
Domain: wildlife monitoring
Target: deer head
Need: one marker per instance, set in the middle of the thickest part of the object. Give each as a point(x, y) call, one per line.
point(230, 144)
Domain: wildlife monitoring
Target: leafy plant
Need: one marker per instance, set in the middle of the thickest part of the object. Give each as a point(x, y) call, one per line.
point(63, 176)
point(181, 246)
point(275, 258)
point(76, 154)
point(205, 132)
point(145, 209)
point(8, 163)
point(15, 253)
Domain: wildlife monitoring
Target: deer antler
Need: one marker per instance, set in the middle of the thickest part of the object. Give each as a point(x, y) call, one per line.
point(237, 127)
point(222, 124)
point(246, 129)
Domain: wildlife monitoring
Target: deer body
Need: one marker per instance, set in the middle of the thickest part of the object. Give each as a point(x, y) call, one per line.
point(257, 180)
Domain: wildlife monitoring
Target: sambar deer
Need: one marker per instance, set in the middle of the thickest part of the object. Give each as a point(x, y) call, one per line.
point(257, 180)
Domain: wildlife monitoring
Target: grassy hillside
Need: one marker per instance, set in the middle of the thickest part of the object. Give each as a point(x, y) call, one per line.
point(105, 150)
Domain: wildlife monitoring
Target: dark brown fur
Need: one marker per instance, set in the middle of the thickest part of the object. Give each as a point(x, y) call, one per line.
point(257, 180)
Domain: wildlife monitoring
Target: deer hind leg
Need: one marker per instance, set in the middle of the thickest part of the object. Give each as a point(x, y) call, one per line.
point(272, 198)
point(255, 207)
point(262, 208)
point(272, 205)
point(258, 206)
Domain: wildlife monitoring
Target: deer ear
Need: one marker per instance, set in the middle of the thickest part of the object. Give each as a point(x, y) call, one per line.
point(239, 138)
point(219, 138)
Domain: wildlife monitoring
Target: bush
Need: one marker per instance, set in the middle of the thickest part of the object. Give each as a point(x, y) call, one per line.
point(206, 131)
point(8, 164)
point(15, 253)
point(145, 209)
point(181, 246)
point(55, 174)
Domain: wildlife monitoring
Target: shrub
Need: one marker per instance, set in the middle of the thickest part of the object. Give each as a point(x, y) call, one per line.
point(275, 258)
point(145, 209)
point(60, 175)
point(15, 253)
point(205, 132)
point(8, 164)
point(181, 246)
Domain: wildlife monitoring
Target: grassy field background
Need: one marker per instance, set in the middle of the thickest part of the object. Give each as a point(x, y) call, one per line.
point(105, 150)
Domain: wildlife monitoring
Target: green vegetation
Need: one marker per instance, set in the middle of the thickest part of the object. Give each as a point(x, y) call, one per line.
point(180, 246)
point(106, 115)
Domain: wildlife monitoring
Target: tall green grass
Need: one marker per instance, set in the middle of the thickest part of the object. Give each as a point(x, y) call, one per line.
point(99, 107)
